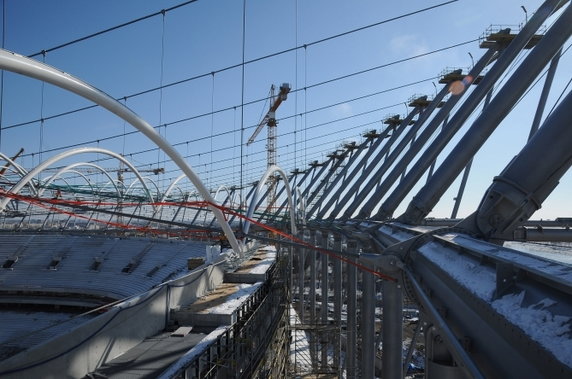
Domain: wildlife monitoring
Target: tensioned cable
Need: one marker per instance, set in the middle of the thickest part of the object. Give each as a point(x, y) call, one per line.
point(52, 205)
point(200, 76)
point(130, 155)
point(328, 143)
point(212, 128)
point(161, 76)
point(101, 32)
point(223, 148)
point(229, 108)
point(559, 97)
point(42, 91)
point(305, 122)
point(538, 79)
point(262, 160)
point(242, 97)
point(296, 85)
point(290, 144)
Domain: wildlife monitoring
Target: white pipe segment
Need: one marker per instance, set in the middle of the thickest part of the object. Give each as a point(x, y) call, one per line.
point(71, 168)
point(169, 190)
point(80, 150)
point(20, 171)
point(22, 65)
point(171, 186)
point(132, 186)
point(271, 170)
point(54, 177)
point(220, 189)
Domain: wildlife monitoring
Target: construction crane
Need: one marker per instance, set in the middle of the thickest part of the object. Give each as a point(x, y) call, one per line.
point(270, 120)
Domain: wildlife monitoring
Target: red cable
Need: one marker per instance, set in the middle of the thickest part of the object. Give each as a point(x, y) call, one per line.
point(195, 233)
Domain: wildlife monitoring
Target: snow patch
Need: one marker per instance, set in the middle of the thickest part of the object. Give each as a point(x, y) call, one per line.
point(554, 332)
point(197, 350)
point(235, 300)
point(399, 234)
point(561, 252)
point(299, 345)
point(479, 279)
point(263, 266)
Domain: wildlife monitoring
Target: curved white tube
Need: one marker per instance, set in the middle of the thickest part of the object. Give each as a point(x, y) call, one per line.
point(80, 150)
point(71, 168)
point(271, 170)
point(53, 177)
point(171, 186)
point(132, 185)
point(20, 171)
point(29, 67)
point(220, 189)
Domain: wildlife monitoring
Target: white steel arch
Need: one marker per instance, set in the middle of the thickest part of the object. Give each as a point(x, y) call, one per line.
point(71, 167)
point(168, 192)
point(42, 189)
point(132, 185)
point(171, 186)
point(116, 183)
point(271, 170)
point(53, 177)
point(81, 150)
point(20, 171)
point(220, 189)
point(22, 65)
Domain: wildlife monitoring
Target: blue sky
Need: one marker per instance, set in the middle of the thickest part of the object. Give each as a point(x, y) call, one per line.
point(204, 39)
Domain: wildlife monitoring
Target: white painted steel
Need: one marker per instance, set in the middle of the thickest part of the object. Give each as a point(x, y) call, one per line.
point(25, 66)
point(271, 170)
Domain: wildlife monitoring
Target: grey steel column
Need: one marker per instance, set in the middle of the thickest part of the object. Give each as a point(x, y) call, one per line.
point(351, 327)
point(337, 263)
point(367, 169)
point(378, 140)
point(324, 307)
point(313, 282)
point(368, 348)
point(405, 169)
point(508, 55)
point(242, 201)
point(376, 177)
point(467, 171)
point(544, 94)
point(432, 167)
point(529, 178)
point(314, 178)
point(301, 269)
point(487, 122)
point(298, 184)
point(322, 183)
point(392, 329)
point(427, 158)
point(318, 242)
point(272, 215)
point(227, 198)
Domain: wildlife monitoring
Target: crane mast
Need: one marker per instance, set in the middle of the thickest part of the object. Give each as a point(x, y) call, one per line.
point(271, 148)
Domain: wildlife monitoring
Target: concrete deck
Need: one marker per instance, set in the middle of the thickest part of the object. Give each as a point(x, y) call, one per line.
point(254, 269)
point(218, 307)
point(150, 358)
